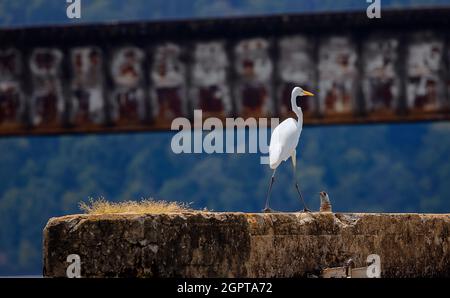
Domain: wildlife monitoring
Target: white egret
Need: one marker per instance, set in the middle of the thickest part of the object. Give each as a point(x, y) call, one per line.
point(283, 143)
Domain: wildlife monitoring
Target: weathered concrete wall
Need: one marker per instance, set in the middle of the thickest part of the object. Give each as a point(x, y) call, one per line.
point(246, 245)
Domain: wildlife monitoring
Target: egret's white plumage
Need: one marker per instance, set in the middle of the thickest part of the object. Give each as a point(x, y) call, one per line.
point(284, 140)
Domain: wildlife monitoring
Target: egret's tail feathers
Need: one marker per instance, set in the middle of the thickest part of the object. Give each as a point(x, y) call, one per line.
point(274, 157)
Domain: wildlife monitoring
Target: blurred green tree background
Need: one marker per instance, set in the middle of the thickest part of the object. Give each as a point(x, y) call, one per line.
point(32, 12)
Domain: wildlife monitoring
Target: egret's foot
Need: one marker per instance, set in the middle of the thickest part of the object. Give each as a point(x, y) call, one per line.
point(306, 210)
point(268, 210)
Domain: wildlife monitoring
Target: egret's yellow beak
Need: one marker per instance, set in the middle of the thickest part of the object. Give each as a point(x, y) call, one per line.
point(307, 93)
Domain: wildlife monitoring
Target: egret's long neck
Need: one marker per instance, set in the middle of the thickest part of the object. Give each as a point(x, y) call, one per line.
point(297, 110)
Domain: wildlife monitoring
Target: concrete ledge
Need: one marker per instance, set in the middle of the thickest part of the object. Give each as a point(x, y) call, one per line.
point(203, 244)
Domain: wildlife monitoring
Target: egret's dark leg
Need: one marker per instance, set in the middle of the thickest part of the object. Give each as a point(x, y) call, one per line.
point(272, 179)
point(294, 162)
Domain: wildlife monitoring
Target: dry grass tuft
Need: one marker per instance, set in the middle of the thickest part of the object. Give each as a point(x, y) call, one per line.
point(102, 206)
